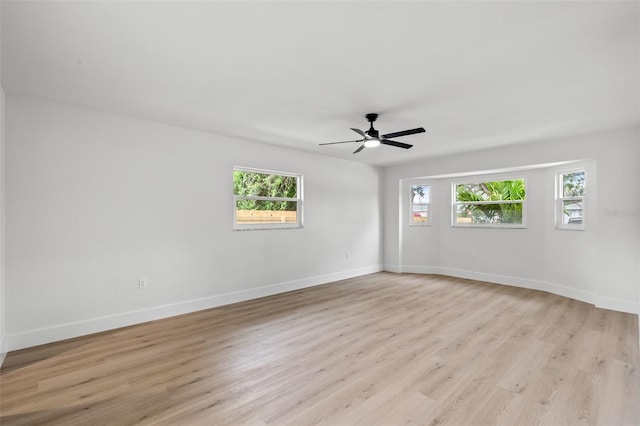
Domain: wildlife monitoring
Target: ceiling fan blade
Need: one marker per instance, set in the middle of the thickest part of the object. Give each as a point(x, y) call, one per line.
point(360, 132)
point(334, 143)
point(404, 133)
point(359, 149)
point(394, 143)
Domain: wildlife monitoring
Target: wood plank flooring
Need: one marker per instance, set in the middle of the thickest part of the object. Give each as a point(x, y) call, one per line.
point(383, 349)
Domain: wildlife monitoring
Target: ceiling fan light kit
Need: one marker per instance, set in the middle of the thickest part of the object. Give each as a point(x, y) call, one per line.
point(371, 143)
point(372, 138)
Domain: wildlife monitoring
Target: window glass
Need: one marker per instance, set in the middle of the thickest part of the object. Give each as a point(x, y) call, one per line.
point(266, 200)
point(490, 203)
point(570, 201)
point(420, 206)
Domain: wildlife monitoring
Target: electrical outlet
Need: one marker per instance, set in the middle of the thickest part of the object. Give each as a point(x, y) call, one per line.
point(474, 257)
point(143, 283)
point(346, 255)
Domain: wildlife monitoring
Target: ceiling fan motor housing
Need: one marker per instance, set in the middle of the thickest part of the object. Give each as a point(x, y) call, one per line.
point(372, 132)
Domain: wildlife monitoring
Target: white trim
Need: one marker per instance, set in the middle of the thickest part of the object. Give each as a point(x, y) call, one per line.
point(619, 305)
point(257, 198)
point(415, 269)
point(602, 302)
point(396, 269)
point(265, 171)
point(3, 349)
point(560, 199)
point(481, 179)
point(560, 290)
point(411, 204)
point(94, 325)
point(492, 172)
point(270, 225)
point(400, 224)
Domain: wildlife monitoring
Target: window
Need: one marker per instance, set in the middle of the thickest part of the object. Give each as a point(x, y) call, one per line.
point(498, 203)
point(266, 200)
point(570, 200)
point(420, 214)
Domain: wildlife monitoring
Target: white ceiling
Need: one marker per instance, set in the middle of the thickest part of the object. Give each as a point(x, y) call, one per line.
point(295, 74)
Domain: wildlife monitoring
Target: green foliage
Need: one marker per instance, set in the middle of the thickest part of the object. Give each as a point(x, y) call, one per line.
point(503, 190)
point(573, 184)
point(418, 193)
point(265, 185)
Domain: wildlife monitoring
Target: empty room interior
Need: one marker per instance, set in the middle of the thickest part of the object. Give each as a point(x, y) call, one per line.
point(339, 213)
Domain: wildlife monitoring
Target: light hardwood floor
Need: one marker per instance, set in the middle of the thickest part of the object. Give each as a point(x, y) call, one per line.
point(381, 349)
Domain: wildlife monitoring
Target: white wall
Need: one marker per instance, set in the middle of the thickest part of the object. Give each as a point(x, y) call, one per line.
point(598, 265)
point(3, 333)
point(3, 327)
point(95, 201)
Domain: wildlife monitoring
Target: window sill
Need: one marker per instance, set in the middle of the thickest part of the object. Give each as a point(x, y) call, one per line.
point(265, 227)
point(566, 228)
point(495, 226)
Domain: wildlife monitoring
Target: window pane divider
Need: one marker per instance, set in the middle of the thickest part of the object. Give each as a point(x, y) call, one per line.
point(266, 219)
point(491, 202)
point(259, 198)
point(571, 198)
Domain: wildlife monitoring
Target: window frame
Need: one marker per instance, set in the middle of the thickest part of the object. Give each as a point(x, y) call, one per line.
point(560, 199)
point(427, 204)
point(476, 180)
point(269, 226)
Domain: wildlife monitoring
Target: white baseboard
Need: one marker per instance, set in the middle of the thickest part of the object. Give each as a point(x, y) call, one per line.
point(3, 349)
point(94, 325)
point(583, 296)
point(393, 268)
point(415, 269)
point(561, 290)
point(620, 305)
point(412, 269)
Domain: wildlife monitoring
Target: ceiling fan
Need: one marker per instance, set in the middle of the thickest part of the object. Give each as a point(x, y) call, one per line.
point(372, 138)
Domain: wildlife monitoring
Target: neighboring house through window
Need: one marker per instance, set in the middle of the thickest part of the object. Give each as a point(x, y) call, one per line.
point(570, 193)
point(420, 210)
